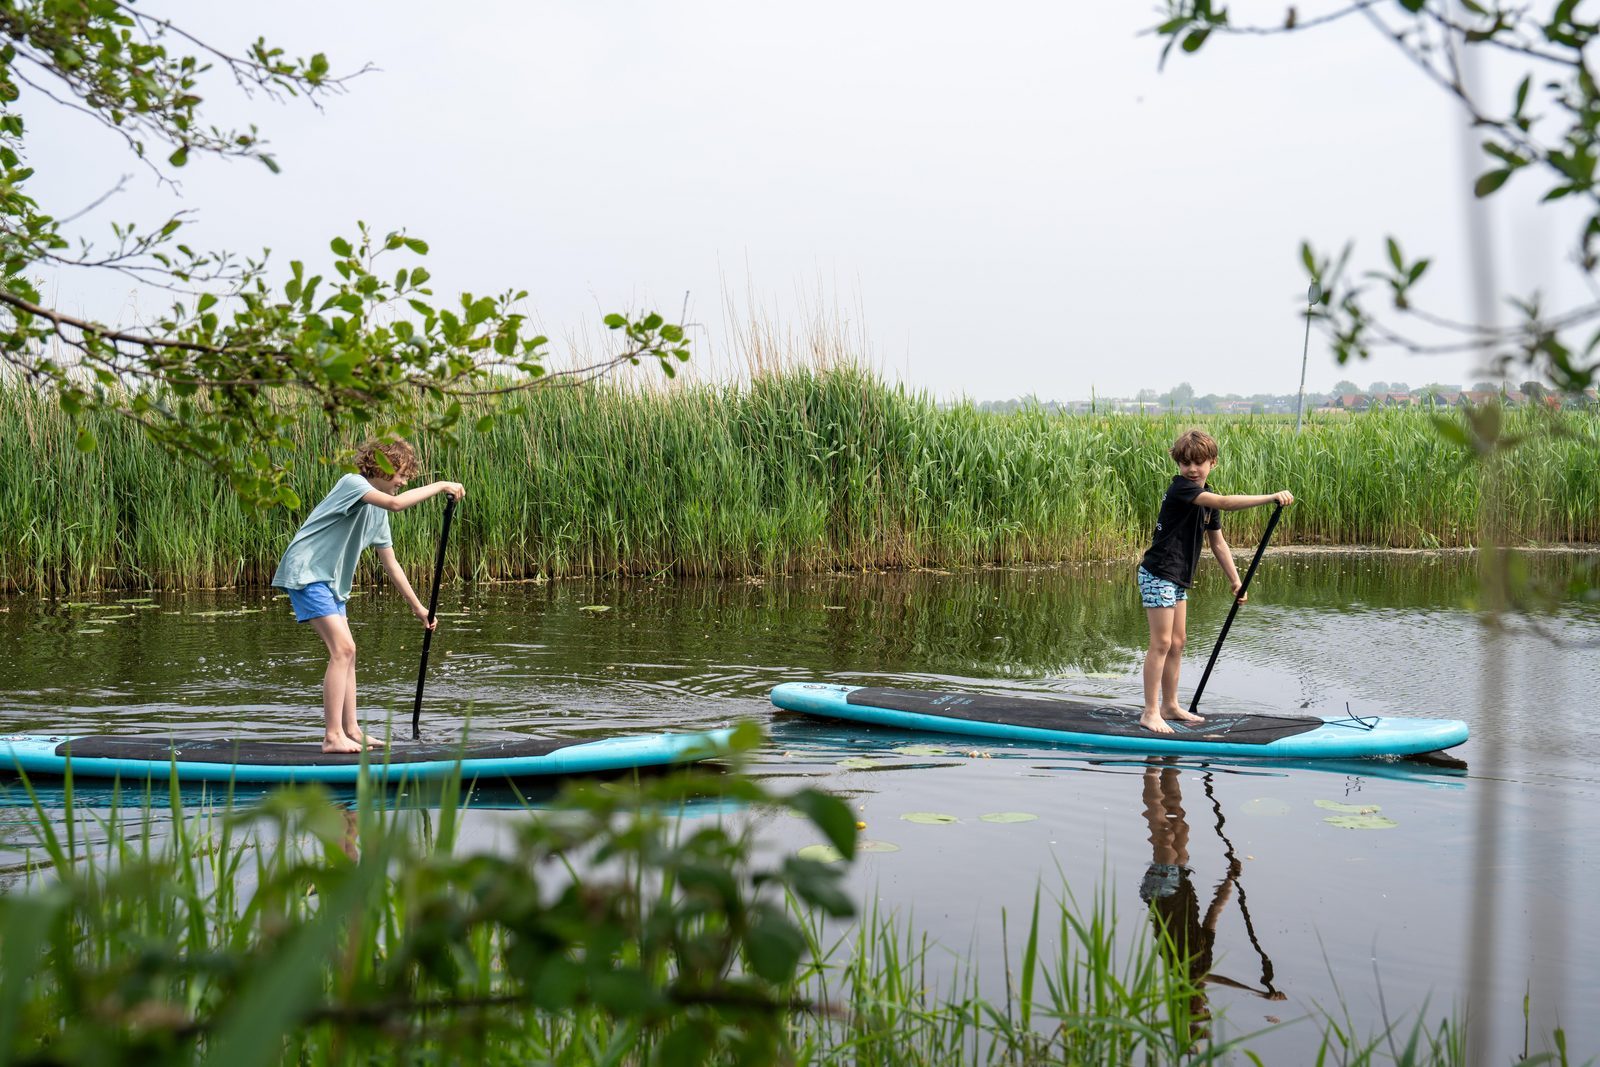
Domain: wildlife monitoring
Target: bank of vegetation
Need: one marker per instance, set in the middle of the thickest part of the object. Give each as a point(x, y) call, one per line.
point(797, 471)
point(617, 926)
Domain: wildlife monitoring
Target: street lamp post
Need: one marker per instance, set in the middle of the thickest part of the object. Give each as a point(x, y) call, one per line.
point(1313, 297)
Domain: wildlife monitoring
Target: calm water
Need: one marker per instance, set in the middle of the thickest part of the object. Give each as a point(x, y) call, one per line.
point(1504, 856)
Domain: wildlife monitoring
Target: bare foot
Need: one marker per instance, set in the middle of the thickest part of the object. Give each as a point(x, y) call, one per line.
point(340, 743)
point(1180, 715)
point(1152, 721)
point(363, 738)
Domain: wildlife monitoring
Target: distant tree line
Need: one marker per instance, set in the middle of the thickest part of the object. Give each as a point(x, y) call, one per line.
point(1345, 395)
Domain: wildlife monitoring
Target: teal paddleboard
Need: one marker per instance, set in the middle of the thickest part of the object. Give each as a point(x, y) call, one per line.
point(1115, 727)
point(229, 760)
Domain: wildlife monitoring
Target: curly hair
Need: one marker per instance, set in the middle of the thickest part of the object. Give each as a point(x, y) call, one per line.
point(1194, 446)
point(401, 457)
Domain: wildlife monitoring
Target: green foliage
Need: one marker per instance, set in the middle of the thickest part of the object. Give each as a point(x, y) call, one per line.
point(237, 357)
point(802, 472)
point(303, 930)
point(623, 923)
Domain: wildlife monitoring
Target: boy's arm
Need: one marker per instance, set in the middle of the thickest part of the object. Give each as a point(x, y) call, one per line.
point(412, 497)
point(1224, 554)
point(1283, 498)
point(397, 576)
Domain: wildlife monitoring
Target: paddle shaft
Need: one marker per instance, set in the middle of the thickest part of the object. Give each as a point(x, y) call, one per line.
point(433, 610)
point(1277, 512)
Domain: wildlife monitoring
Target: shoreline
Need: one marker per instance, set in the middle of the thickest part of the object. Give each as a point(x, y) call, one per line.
point(1561, 549)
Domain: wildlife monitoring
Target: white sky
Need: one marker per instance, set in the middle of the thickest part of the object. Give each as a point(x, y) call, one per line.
point(990, 200)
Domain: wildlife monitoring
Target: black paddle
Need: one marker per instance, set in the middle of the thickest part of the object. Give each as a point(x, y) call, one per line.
point(1223, 636)
point(433, 608)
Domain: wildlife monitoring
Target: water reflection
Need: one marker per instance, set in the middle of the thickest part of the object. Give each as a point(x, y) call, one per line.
point(1187, 937)
point(1385, 633)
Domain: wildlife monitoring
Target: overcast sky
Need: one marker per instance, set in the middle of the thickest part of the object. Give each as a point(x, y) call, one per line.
point(985, 200)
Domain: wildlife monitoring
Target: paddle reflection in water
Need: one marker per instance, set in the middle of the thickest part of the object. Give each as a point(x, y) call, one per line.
point(1186, 937)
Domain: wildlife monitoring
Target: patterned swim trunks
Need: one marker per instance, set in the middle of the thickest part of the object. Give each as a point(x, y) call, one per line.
point(1159, 592)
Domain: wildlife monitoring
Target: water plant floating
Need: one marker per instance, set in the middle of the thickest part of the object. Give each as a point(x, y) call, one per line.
point(1364, 821)
point(876, 846)
point(822, 853)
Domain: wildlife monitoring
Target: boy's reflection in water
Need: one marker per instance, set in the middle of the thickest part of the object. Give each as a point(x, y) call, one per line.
point(1187, 939)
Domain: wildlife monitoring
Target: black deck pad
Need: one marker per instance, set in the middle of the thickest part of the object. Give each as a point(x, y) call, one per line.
point(294, 754)
point(1081, 717)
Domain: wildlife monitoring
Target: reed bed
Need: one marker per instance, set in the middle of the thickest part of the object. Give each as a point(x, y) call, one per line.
point(797, 471)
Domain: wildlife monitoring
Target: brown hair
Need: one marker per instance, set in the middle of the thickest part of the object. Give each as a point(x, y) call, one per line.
point(401, 456)
point(1195, 446)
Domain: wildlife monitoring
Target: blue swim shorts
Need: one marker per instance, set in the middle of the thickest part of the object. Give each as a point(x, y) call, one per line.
point(314, 601)
point(1159, 592)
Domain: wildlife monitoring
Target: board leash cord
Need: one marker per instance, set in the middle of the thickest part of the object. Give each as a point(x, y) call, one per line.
point(1355, 722)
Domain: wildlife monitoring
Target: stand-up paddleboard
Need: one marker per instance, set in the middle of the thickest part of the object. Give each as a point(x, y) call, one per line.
point(227, 760)
point(1115, 727)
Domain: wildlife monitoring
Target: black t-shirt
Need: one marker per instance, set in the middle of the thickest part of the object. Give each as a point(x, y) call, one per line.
point(1175, 549)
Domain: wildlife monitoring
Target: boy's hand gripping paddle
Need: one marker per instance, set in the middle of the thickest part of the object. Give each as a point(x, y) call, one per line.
point(1223, 636)
point(433, 609)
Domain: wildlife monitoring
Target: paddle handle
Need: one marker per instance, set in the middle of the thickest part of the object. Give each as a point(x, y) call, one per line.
point(433, 612)
point(1277, 513)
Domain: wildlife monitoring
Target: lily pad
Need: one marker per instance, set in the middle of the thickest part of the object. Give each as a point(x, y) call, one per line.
point(821, 853)
point(79, 604)
point(596, 608)
point(1361, 822)
point(929, 818)
point(921, 750)
point(1264, 806)
point(1348, 809)
point(876, 846)
point(89, 630)
point(137, 600)
point(859, 763)
point(112, 618)
point(208, 614)
point(1008, 816)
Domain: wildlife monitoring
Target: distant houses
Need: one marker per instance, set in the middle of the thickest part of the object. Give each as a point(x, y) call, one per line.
point(1321, 404)
point(1353, 402)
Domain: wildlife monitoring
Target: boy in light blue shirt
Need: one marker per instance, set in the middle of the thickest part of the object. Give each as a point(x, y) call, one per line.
point(319, 566)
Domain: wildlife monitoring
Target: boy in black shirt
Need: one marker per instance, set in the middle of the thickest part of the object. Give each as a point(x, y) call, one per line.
point(1167, 570)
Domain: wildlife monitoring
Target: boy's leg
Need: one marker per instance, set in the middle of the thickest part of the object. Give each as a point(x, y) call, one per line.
point(1170, 708)
point(1155, 665)
point(338, 683)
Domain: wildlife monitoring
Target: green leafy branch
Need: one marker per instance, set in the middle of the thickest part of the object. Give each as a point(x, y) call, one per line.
point(1551, 125)
point(300, 920)
point(219, 376)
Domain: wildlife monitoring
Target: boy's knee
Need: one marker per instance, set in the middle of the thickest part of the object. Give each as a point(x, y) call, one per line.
point(343, 651)
point(1177, 642)
point(1160, 646)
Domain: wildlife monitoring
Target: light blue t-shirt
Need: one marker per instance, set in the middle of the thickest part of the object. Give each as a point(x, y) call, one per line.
point(329, 544)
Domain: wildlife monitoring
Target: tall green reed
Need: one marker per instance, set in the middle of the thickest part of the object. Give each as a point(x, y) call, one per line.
point(795, 471)
point(612, 927)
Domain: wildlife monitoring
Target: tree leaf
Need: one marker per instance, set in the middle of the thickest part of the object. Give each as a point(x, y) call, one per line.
point(830, 815)
point(773, 945)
